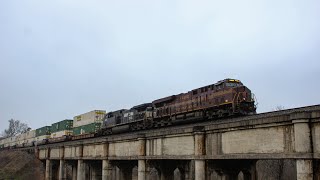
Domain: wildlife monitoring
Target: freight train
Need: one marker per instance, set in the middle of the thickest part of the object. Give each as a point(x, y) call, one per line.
point(228, 97)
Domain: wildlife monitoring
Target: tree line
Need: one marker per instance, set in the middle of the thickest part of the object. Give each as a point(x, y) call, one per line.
point(16, 127)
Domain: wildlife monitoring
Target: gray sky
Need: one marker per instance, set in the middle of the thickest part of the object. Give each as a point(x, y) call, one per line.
point(62, 58)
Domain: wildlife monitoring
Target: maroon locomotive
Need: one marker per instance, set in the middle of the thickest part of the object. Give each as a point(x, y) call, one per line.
point(225, 98)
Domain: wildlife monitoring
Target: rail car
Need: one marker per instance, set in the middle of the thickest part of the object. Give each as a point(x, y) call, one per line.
point(228, 97)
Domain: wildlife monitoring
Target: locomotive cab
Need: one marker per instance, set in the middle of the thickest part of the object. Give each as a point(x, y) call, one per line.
point(231, 96)
point(243, 99)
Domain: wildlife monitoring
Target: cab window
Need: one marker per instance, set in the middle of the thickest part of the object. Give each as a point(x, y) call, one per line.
point(232, 84)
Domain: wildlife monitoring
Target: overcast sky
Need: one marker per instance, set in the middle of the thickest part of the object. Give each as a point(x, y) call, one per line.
point(62, 58)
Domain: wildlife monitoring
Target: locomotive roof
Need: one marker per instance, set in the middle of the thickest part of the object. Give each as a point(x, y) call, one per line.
point(165, 99)
point(111, 112)
point(220, 82)
point(142, 106)
point(228, 80)
point(172, 97)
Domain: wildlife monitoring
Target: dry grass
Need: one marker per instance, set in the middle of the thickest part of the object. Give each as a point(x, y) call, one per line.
point(20, 165)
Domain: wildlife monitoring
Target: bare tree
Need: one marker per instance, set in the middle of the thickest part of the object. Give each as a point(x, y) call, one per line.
point(15, 127)
point(279, 108)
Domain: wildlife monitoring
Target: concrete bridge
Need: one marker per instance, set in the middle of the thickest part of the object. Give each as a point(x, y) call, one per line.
point(225, 146)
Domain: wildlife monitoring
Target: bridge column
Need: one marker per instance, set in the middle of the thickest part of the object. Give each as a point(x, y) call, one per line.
point(74, 172)
point(142, 153)
point(199, 169)
point(115, 173)
point(141, 169)
point(62, 167)
point(106, 170)
point(302, 144)
point(304, 170)
point(48, 174)
point(61, 170)
point(199, 138)
point(81, 170)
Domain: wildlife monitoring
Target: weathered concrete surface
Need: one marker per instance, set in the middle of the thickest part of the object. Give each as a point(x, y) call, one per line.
point(126, 148)
point(141, 170)
point(304, 170)
point(43, 154)
point(264, 140)
point(56, 153)
point(93, 150)
point(316, 137)
point(73, 151)
point(302, 139)
point(315, 133)
point(171, 145)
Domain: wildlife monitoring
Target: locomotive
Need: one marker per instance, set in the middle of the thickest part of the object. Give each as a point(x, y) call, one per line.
point(228, 97)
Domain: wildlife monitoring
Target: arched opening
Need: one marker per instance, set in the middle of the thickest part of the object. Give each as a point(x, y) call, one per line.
point(135, 173)
point(154, 174)
point(115, 172)
point(240, 176)
point(177, 174)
